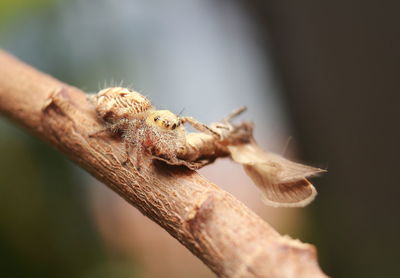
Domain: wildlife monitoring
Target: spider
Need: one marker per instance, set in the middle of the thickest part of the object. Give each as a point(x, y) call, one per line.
point(160, 133)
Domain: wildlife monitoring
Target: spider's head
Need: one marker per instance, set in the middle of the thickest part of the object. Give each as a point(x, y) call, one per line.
point(164, 119)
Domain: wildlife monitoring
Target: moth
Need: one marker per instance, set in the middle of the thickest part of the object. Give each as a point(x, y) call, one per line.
point(161, 134)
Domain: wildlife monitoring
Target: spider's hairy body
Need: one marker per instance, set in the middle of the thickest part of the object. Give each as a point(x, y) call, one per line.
point(131, 116)
point(114, 104)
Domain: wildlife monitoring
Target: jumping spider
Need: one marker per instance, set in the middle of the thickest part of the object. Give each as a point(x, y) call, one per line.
point(144, 129)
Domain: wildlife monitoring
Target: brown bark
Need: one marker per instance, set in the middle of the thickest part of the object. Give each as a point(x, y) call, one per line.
point(211, 223)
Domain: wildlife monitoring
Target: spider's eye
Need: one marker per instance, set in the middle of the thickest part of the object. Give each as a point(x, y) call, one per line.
point(167, 125)
point(173, 126)
point(156, 118)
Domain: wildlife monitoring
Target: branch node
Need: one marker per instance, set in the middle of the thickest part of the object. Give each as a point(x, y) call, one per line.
point(196, 222)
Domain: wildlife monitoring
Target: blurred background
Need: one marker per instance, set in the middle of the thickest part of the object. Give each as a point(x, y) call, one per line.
point(325, 74)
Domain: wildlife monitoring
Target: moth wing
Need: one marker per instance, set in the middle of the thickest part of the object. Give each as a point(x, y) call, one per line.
point(282, 182)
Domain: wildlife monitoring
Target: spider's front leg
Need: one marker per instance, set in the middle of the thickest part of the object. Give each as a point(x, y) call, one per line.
point(213, 141)
point(200, 126)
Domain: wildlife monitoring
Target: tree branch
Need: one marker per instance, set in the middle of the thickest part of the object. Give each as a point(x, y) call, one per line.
point(211, 223)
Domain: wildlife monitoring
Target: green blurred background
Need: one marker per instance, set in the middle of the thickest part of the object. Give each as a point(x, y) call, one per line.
point(324, 73)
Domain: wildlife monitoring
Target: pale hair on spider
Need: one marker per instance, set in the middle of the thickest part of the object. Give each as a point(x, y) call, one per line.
point(161, 134)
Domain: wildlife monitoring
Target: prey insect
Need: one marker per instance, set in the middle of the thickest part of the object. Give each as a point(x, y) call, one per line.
point(161, 134)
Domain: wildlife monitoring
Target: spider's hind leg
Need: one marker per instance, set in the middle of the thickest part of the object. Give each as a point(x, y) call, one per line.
point(128, 148)
point(114, 129)
point(99, 133)
point(133, 154)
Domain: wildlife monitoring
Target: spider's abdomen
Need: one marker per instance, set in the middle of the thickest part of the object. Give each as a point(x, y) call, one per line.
point(115, 103)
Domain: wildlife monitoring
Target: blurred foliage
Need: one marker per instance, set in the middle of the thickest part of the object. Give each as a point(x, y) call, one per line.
point(12, 9)
point(45, 227)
